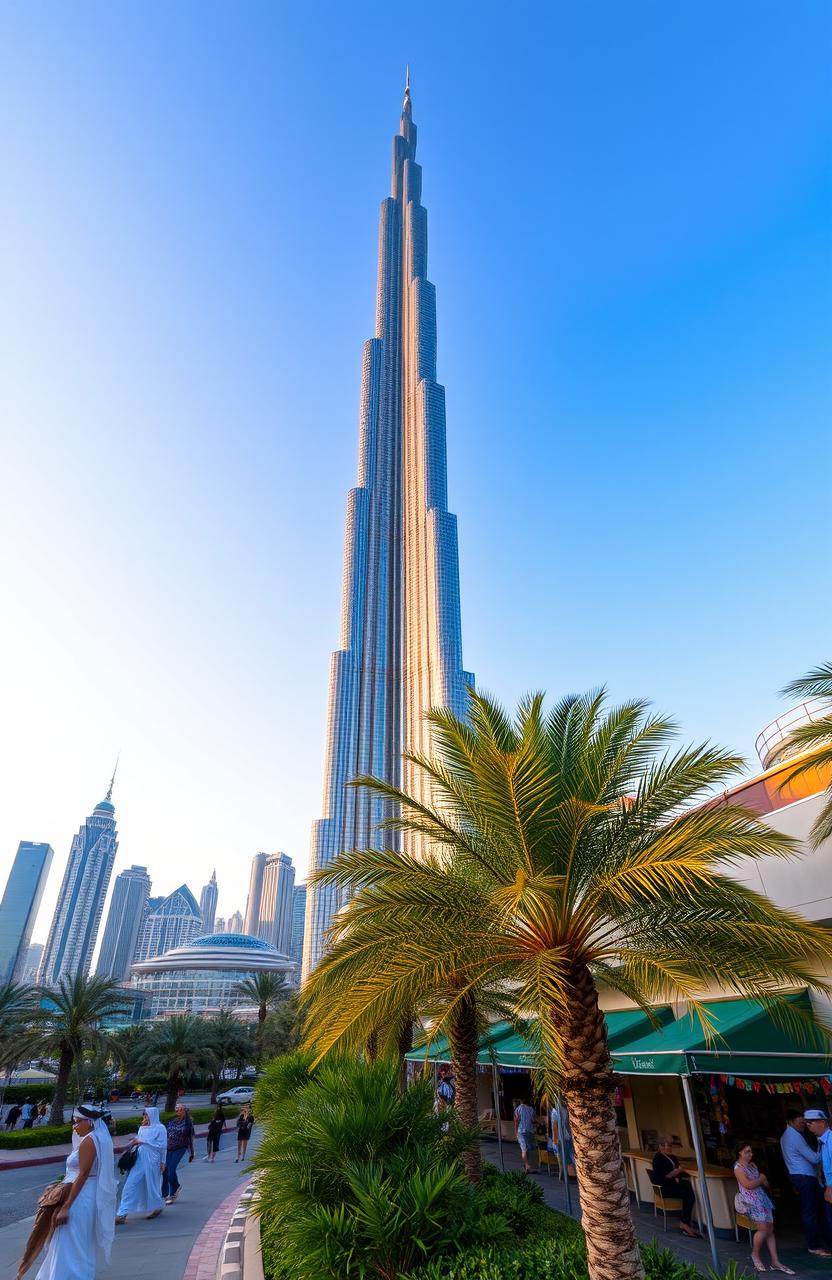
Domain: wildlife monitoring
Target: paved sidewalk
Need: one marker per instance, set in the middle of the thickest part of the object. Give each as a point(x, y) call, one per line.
point(161, 1248)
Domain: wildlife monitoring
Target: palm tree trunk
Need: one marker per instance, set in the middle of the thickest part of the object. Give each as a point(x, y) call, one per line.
point(173, 1091)
point(261, 1018)
point(403, 1046)
point(371, 1047)
point(611, 1245)
point(56, 1115)
point(464, 1041)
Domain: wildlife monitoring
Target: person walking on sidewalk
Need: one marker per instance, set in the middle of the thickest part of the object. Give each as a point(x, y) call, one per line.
point(245, 1124)
point(142, 1189)
point(216, 1126)
point(180, 1141)
point(85, 1217)
point(524, 1131)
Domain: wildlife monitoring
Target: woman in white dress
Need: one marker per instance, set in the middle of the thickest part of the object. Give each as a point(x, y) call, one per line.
point(142, 1191)
point(88, 1217)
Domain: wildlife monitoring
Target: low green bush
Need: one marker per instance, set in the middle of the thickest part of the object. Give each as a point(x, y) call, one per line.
point(357, 1178)
point(559, 1254)
point(46, 1136)
point(20, 1092)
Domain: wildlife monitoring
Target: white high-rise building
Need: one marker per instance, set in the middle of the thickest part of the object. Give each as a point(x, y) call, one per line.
point(74, 929)
point(208, 903)
point(235, 923)
point(400, 653)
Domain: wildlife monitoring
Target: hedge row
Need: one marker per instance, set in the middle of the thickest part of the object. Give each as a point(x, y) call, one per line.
point(53, 1135)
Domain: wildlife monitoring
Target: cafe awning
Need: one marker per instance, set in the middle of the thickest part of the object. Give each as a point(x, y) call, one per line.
point(746, 1039)
point(509, 1047)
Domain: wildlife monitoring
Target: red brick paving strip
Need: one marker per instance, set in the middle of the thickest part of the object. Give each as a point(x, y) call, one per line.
point(203, 1258)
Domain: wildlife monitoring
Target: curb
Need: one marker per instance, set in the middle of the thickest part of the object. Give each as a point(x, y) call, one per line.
point(240, 1257)
point(61, 1158)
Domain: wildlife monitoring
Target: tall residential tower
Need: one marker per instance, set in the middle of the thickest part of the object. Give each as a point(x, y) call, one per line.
point(401, 634)
point(20, 905)
point(208, 903)
point(124, 921)
point(74, 930)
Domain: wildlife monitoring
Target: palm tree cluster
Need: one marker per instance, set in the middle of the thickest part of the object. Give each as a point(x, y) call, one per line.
point(66, 1024)
point(561, 855)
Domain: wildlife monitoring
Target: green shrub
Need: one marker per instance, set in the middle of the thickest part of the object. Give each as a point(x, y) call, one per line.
point(356, 1178)
point(46, 1136)
point(662, 1264)
point(20, 1092)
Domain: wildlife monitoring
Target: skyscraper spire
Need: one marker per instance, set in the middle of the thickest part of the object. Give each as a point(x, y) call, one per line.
point(401, 637)
point(109, 794)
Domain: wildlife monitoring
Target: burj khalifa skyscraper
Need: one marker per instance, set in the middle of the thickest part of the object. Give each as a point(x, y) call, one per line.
point(401, 636)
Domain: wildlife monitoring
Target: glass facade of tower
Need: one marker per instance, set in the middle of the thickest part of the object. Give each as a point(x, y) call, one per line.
point(401, 635)
point(20, 905)
point(75, 924)
point(208, 903)
point(172, 922)
point(298, 923)
point(124, 921)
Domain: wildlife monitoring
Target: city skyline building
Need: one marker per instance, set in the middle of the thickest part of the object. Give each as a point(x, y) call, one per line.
point(400, 648)
point(170, 922)
point(219, 925)
point(275, 924)
point(255, 894)
point(131, 892)
point(208, 903)
point(32, 964)
point(298, 924)
point(20, 905)
point(234, 924)
point(74, 929)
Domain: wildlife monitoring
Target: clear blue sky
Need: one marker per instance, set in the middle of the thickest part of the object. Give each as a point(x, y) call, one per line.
point(630, 237)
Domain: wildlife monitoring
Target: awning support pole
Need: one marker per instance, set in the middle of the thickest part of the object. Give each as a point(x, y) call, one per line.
point(693, 1121)
point(497, 1120)
point(562, 1155)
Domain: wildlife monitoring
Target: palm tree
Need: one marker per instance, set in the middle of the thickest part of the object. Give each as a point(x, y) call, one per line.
point(17, 1004)
point(566, 851)
point(231, 1043)
point(814, 737)
point(268, 991)
point(68, 1023)
point(176, 1049)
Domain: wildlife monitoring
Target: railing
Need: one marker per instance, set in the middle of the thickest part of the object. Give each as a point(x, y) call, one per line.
point(771, 743)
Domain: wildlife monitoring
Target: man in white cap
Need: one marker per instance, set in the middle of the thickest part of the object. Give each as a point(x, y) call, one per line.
point(817, 1122)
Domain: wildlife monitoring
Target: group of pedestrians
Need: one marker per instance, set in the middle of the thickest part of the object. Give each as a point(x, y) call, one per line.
point(76, 1215)
point(26, 1115)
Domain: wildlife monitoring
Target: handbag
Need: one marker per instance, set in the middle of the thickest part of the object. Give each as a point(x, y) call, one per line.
point(127, 1159)
point(52, 1199)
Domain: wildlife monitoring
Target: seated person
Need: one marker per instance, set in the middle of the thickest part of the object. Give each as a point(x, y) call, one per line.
point(671, 1179)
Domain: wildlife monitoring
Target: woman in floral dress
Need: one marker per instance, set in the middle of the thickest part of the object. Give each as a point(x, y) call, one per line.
point(753, 1201)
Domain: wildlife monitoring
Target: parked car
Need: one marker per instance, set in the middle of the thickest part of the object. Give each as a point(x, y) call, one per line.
point(243, 1093)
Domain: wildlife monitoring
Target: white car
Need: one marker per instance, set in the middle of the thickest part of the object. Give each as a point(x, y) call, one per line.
point(243, 1093)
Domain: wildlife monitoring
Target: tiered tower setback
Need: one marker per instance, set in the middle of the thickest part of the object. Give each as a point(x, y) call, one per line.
point(401, 632)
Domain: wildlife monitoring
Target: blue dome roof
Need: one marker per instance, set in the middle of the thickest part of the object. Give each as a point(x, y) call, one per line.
point(231, 940)
point(105, 804)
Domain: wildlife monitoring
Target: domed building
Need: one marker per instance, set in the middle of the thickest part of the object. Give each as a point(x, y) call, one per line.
point(202, 976)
